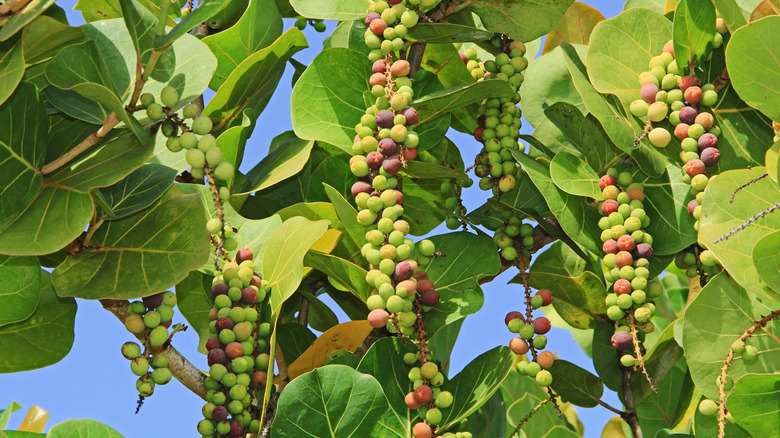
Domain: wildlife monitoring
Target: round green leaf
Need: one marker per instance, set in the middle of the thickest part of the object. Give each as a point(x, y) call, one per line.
point(140, 255)
point(42, 339)
point(707, 335)
point(752, 55)
point(720, 217)
point(20, 288)
point(521, 20)
point(332, 401)
point(576, 385)
point(694, 28)
point(766, 257)
point(620, 49)
point(328, 97)
point(80, 428)
point(573, 175)
point(753, 403)
point(11, 67)
point(339, 10)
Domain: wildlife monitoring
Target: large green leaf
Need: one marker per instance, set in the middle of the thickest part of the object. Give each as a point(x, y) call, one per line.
point(490, 420)
point(606, 360)
point(752, 55)
point(573, 175)
point(444, 101)
point(448, 33)
point(348, 35)
point(576, 385)
point(282, 163)
point(384, 361)
point(22, 150)
point(346, 273)
point(547, 81)
point(42, 339)
point(194, 300)
point(20, 288)
point(707, 335)
point(260, 26)
point(252, 82)
point(194, 67)
point(294, 339)
point(579, 292)
point(347, 215)
point(766, 257)
point(340, 10)
point(331, 401)
point(521, 20)
point(283, 256)
point(735, 12)
point(521, 395)
point(232, 141)
point(578, 219)
point(694, 28)
point(251, 234)
point(140, 255)
point(136, 191)
point(664, 408)
point(72, 428)
point(575, 27)
point(141, 25)
point(11, 67)
point(753, 403)
point(620, 49)
point(620, 128)
point(45, 36)
point(720, 216)
point(479, 380)
point(457, 274)
point(328, 97)
point(20, 18)
point(708, 426)
point(40, 228)
point(660, 361)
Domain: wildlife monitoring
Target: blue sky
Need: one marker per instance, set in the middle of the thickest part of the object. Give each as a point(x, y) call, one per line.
point(94, 380)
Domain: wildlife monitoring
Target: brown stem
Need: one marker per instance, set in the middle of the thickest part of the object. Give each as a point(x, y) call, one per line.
point(284, 377)
point(12, 6)
point(638, 349)
point(722, 80)
point(416, 52)
point(220, 213)
point(181, 368)
point(303, 315)
point(91, 231)
point(528, 416)
point(630, 416)
point(727, 363)
point(88, 142)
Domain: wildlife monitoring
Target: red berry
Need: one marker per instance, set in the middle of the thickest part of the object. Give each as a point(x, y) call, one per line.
point(694, 167)
point(423, 394)
point(626, 243)
point(621, 341)
point(224, 323)
point(519, 345)
point(607, 180)
point(687, 82)
point(422, 430)
point(387, 146)
point(377, 79)
point(707, 140)
point(648, 92)
point(430, 298)
point(379, 66)
point(213, 343)
point(691, 206)
point(374, 159)
point(360, 187)
point(384, 119)
point(411, 116)
point(234, 350)
point(636, 194)
point(219, 289)
point(478, 133)
point(547, 296)
point(513, 315)
point(244, 254)
point(378, 318)
point(688, 115)
point(710, 156)
point(610, 247)
point(371, 17)
point(693, 95)
point(248, 296)
point(410, 154)
point(541, 325)
point(411, 401)
point(644, 251)
point(259, 379)
point(622, 287)
point(403, 271)
point(623, 258)
point(377, 26)
point(217, 355)
point(681, 131)
point(609, 206)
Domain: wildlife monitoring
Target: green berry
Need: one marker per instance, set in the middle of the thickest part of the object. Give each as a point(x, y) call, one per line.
point(214, 225)
point(544, 378)
point(196, 158)
point(147, 99)
point(169, 96)
point(738, 347)
point(189, 111)
point(154, 111)
point(708, 407)
point(161, 376)
point(201, 125)
point(627, 360)
point(750, 354)
point(224, 171)
point(131, 350)
point(139, 366)
point(158, 336)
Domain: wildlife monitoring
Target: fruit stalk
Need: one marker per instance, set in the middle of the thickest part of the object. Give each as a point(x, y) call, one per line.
point(87, 143)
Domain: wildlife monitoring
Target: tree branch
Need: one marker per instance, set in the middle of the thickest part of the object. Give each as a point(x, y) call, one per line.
point(181, 368)
point(87, 143)
point(629, 415)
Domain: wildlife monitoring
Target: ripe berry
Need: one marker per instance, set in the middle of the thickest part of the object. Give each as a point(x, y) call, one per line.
point(688, 115)
point(411, 401)
point(693, 95)
point(609, 206)
point(623, 258)
point(378, 318)
point(626, 243)
point(545, 359)
point(259, 379)
point(513, 315)
point(519, 345)
point(243, 255)
point(644, 251)
point(541, 325)
point(387, 146)
point(710, 156)
point(621, 340)
point(422, 430)
point(213, 343)
point(423, 394)
point(607, 180)
point(622, 286)
point(430, 298)
point(546, 295)
point(687, 82)
point(707, 140)
point(694, 167)
point(648, 92)
point(411, 116)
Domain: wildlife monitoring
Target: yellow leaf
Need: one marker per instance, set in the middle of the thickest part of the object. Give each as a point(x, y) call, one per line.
point(35, 420)
point(345, 336)
point(325, 244)
point(575, 27)
point(670, 6)
point(613, 429)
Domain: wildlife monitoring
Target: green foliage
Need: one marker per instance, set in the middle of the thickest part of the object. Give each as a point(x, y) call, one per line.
point(92, 187)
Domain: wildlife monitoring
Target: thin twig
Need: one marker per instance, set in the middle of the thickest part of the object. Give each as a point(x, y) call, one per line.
point(638, 350)
point(748, 222)
point(88, 142)
point(727, 363)
point(752, 181)
point(220, 213)
point(528, 416)
point(91, 231)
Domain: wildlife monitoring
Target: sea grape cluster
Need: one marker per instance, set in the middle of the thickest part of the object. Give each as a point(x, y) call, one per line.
point(627, 254)
point(451, 190)
point(514, 238)
point(499, 119)
point(150, 319)
point(532, 338)
point(237, 351)
point(201, 147)
point(682, 102)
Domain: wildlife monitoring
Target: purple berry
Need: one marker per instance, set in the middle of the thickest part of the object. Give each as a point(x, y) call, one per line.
point(411, 115)
point(707, 140)
point(621, 341)
point(392, 165)
point(371, 17)
point(384, 119)
point(688, 115)
point(387, 146)
point(710, 156)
